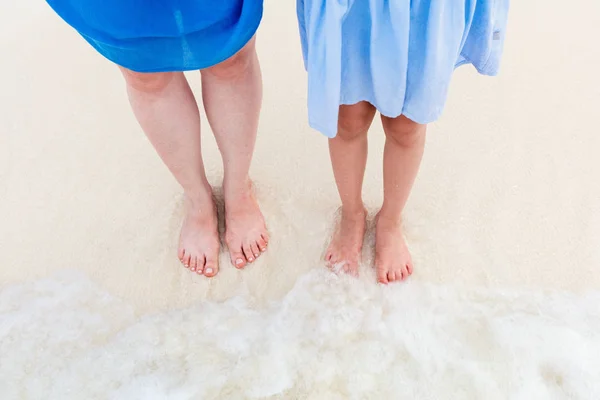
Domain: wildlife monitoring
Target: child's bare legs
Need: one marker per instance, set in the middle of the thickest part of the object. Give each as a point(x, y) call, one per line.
point(404, 145)
point(232, 94)
point(348, 151)
point(167, 112)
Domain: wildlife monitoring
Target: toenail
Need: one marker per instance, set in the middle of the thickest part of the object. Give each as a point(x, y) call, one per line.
point(239, 261)
point(208, 270)
point(251, 259)
point(255, 254)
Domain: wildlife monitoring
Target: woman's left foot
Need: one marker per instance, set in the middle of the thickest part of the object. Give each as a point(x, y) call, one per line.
point(392, 257)
point(246, 233)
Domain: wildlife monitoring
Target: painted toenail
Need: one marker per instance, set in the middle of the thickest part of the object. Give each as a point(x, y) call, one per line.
point(239, 261)
point(208, 270)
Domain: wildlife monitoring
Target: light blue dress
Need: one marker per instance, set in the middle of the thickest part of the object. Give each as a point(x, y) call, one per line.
point(163, 35)
point(399, 55)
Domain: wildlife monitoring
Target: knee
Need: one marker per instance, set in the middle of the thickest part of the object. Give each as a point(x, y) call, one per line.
point(403, 131)
point(235, 65)
point(147, 82)
point(355, 120)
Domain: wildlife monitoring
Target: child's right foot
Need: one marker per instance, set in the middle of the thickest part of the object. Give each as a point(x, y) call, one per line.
point(346, 246)
point(199, 238)
point(392, 258)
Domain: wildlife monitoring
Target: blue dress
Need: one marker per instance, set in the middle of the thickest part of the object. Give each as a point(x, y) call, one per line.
point(399, 55)
point(163, 35)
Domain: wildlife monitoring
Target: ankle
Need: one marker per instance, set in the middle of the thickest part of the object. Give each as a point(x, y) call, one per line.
point(200, 200)
point(389, 218)
point(236, 191)
point(354, 211)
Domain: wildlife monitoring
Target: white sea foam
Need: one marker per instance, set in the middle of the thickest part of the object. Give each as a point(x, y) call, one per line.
point(328, 338)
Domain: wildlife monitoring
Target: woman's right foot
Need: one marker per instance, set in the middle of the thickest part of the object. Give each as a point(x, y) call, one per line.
point(345, 248)
point(199, 238)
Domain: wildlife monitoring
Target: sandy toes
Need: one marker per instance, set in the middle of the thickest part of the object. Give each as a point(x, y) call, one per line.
point(346, 245)
point(392, 257)
point(246, 232)
point(199, 238)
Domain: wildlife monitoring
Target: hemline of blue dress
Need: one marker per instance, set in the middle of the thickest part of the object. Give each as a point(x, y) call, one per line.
point(163, 35)
point(398, 55)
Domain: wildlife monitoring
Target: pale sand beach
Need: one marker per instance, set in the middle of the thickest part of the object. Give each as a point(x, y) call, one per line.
point(503, 224)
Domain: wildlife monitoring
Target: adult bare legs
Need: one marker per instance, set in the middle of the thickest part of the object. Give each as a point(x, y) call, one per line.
point(232, 95)
point(165, 108)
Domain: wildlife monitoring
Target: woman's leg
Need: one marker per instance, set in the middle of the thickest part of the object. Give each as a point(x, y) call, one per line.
point(232, 95)
point(348, 151)
point(404, 145)
point(167, 112)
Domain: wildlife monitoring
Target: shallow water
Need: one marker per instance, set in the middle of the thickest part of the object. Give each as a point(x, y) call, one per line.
point(503, 223)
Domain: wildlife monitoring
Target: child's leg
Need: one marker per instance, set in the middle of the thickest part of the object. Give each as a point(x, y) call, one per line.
point(232, 94)
point(404, 145)
point(348, 151)
point(164, 106)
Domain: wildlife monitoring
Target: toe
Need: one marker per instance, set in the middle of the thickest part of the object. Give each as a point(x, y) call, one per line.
point(350, 268)
point(182, 258)
point(409, 268)
point(335, 257)
point(211, 268)
point(391, 276)
point(180, 254)
point(193, 263)
point(265, 237)
point(238, 259)
point(262, 245)
point(248, 253)
point(255, 251)
point(201, 262)
point(333, 260)
point(382, 276)
point(186, 260)
point(404, 272)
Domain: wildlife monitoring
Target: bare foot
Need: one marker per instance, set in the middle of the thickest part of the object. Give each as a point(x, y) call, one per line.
point(392, 258)
point(199, 238)
point(346, 246)
point(246, 233)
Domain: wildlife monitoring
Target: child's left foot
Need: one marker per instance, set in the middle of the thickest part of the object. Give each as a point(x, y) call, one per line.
point(392, 258)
